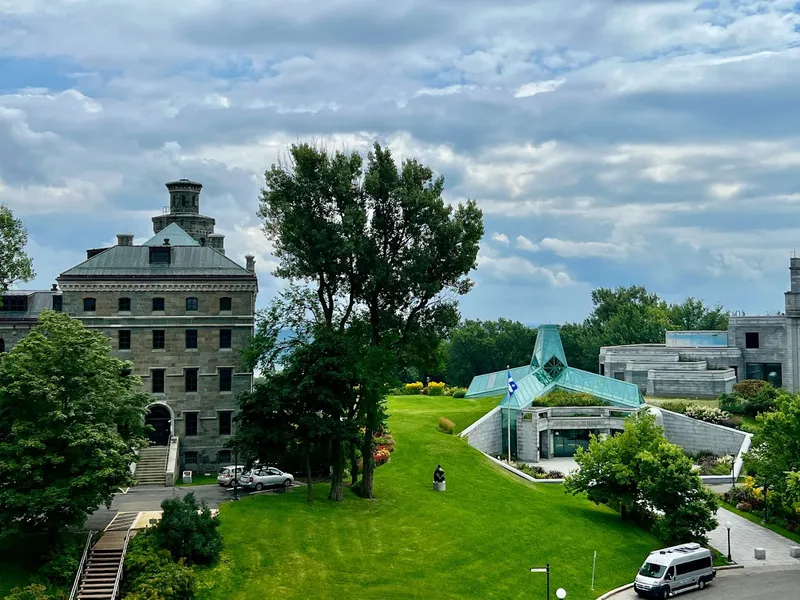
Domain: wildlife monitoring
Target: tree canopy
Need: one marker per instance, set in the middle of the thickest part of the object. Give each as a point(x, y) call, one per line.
point(70, 423)
point(15, 265)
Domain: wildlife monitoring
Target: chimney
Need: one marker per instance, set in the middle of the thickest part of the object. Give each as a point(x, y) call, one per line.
point(251, 263)
point(54, 288)
point(124, 239)
point(166, 241)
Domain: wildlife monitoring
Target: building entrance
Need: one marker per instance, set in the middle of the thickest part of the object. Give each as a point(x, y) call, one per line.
point(160, 419)
point(567, 441)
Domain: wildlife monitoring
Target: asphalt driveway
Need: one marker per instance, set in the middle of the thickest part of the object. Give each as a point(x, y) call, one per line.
point(742, 584)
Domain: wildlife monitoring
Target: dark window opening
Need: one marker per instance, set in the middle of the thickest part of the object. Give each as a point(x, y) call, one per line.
point(158, 304)
point(225, 304)
point(2, 345)
point(602, 369)
point(190, 458)
point(191, 423)
point(124, 305)
point(225, 379)
point(191, 338)
point(157, 376)
point(751, 339)
point(771, 372)
point(15, 304)
point(58, 303)
point(620, 375)
point(224, 457)
point(191, 304)
point(89, 304)
point(124, 338)
point(159, 339)
point(225, 423)
point(160, 255)
point(190, 380)
point(225, 336)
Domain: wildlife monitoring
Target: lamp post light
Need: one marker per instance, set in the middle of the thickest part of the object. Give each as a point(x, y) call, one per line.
point(235, 473)
point(545, 569)
point(561, 593)
point(728, 527)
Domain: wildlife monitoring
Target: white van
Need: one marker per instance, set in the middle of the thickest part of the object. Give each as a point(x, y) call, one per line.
point(672, 569)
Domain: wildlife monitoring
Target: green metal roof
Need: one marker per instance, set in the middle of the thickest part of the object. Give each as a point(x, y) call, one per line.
point(549, 370)
point(127, 261)
point(175, 235)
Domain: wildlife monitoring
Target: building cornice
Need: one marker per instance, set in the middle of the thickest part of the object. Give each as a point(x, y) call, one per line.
point(221, 285)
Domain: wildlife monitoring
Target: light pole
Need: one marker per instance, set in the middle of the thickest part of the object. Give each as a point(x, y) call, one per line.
point(235, 473)
point(728, 527)
point(545, 569)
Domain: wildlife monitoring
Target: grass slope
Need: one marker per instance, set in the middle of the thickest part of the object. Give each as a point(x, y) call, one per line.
point(477, 540)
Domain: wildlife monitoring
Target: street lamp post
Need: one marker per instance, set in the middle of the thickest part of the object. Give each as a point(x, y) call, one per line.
point(545, 569)
point(235, 473)
point(728, 527)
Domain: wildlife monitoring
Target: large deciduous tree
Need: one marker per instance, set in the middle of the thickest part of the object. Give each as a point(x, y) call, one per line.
point(377, 255)
point(70, 425)
point(15, 265)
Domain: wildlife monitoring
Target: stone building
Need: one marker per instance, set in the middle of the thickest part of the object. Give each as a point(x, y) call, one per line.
point(182, 312)
point(19, 310)
point(704, 364)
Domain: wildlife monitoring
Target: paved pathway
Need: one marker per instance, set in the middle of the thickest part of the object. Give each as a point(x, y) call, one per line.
point(746, 536)
point(741, 584)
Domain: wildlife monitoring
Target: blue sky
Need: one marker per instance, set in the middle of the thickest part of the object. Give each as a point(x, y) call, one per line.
point(611, 142)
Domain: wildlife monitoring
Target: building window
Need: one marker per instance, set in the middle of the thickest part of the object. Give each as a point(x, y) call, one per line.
point(124, 305)
point(190, 380)
point(771, 372)
point(225, 304)
point(224, 457)
point(225, 379)
point(160, 255)
point(89, 305)
point(224, 338)
point(190, 458)
point(2, 345)
point(191, 339)
point(159, 341)
point(751, 339)
point(14, 304)
point(157, 376)
point(124, 338)
point(191, 423)
point(225, 422)
point(191, 304)
point(619, 375)
point(58, 303)
point(158, 305)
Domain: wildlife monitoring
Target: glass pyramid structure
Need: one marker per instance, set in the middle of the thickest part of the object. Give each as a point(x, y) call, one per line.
point(549, 370)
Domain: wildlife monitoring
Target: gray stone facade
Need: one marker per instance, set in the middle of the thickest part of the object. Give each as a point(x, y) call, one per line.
point(697, 436)
point(485, 434)
point(689, 384)
point(16, 324)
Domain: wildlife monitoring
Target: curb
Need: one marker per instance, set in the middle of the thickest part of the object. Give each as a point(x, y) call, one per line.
point(630, 585)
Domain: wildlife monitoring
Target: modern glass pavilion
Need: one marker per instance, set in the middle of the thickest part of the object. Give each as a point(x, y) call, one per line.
point(549, 370)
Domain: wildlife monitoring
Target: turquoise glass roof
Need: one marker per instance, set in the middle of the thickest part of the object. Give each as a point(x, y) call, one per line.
point(549, 370)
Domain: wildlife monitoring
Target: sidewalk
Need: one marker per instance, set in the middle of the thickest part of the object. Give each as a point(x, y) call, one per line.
point(746, 536)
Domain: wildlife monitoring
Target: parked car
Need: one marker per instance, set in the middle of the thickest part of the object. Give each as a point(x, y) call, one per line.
point(226, 475)
point(674, 569)
point(259, 478)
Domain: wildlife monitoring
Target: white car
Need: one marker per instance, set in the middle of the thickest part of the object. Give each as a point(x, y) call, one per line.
point(264, 477)
point(226, 475)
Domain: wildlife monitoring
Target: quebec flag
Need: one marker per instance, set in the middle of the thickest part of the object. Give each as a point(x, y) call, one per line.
point(512, 387)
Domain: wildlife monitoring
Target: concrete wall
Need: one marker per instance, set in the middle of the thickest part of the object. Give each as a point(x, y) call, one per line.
point(527, 437)
point(636, 372)
point(688, 384)
point(772, 341)
point(715, 358)
point(485, 433)
point(696, 436)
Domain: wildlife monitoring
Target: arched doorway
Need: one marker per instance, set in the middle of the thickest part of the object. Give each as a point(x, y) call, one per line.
point(160, 419)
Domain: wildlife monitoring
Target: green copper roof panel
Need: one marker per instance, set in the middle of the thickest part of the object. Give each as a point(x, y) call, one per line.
point(175, 235)
point(548, 346)
point(493, 384)
point(135, 261)
point(530, 388)
point(615, 392)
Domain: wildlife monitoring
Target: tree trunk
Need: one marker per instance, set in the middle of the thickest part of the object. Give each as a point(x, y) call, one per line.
point(367, 476)
point(623, 512)
point(353, 463)
point(337, 470)
point(309, 487)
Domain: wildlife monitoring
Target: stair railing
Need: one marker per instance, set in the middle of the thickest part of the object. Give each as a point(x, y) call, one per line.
point(76, 584)
point(121, 562)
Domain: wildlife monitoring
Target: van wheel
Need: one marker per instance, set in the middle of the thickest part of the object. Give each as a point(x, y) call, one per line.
point(702, 584)
point(665, 593)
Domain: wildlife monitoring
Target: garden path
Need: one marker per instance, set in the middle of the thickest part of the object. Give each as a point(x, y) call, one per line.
point(745, 537)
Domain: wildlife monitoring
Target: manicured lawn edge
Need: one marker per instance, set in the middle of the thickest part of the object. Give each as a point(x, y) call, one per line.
point(198, 480)
point(757, 520)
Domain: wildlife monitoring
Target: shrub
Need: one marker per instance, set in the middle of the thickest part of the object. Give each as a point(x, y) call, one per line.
point(446, 426)
point(559, 397)
point(733, 422)
point(381, 455)
point(436, 388)
point(709, 414)
point(385, 439)
point(555, 475)
point(678, 407)
point(745, 506)
point(187, 530)
point(715, 465)
point(749, 388)
point(413, 388)
point(732, 403)
point(34, 591)
point(459, 393)
point(62, 560)
point(425, 391)
point(762, 402)
point(151, 574)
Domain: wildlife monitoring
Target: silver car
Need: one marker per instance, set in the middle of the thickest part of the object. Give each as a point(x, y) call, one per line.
point(226, 475)
point(264, 477)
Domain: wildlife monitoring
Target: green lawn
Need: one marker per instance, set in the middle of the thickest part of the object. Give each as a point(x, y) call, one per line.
point(703, 402)
point(756, 518)
point(477, 540)
point(198, 480)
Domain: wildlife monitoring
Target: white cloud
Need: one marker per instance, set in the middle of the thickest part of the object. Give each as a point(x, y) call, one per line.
point(725, 191)
point(571, 249)
point(524, 243)
point(520, 271)
point(538, 87)
point(501, 238)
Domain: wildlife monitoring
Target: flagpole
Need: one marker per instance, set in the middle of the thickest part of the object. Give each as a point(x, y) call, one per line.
point(510, 396)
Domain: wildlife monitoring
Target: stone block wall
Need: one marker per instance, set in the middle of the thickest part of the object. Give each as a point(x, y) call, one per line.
point(485, 433)
point(688, 384)
point(636, 372)
point(696, 436)
point(527, 437)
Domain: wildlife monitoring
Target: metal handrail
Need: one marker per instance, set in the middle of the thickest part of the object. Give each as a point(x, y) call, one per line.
point(77, 582)
point(121, 562)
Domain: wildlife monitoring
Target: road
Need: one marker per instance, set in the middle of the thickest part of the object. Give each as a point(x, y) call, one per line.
point(743, 584)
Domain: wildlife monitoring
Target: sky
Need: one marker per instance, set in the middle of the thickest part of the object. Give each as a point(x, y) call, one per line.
point(608, 142)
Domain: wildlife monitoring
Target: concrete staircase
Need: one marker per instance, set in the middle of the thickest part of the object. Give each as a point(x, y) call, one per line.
point(101, 575)
point(152, 466)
